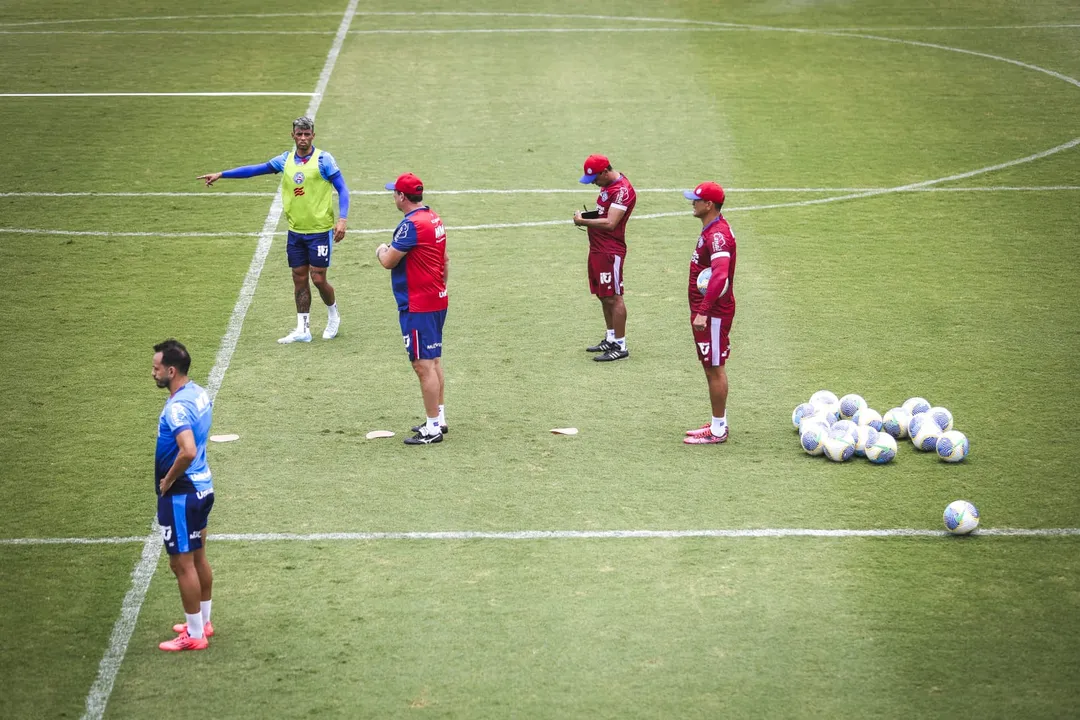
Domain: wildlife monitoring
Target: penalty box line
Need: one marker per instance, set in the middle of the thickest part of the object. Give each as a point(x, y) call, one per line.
point(458, 535)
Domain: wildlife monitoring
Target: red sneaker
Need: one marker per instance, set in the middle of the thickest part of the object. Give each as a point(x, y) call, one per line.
point(702, 431)
point(208, 629)
point(707, 438)
point(184, 641)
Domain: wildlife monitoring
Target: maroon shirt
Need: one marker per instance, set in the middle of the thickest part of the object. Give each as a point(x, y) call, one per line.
point(618, 194)
point(714, 243)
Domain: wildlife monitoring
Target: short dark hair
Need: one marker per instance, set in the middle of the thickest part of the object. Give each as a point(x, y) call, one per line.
point(415, 197)
point(174, 354)
point(303, 123)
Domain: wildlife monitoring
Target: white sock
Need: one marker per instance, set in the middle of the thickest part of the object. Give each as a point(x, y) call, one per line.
point(718, 424)
point(303, 322)
point(433, 426)
point(610, 335)
point(194, 624)
point(622, 342)
point(442, 415)
point(331, 311)
point(204, 606)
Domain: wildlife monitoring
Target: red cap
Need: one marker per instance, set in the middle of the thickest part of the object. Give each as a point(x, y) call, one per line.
point(408, 184)
point(706, 191)
point(594, 165)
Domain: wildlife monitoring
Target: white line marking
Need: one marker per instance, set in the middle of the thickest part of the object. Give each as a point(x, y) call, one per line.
point(98, 697)
point(561, 535)
point(154, 94)
point(149, 18)
point(554, 191)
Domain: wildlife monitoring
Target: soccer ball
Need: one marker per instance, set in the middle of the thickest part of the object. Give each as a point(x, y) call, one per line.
point(916, 405)
point(869, 417)
point(942, 417)
point(831, 413)
point(843, 427)
point(839, 447)
point(851, 404)
point(961, 517)
point(812, 438)
point(895, 422)
point(953, 446)
point(924, 432)
point(803, 410)
point(864, 435)
point(703, 280)
point(882, 450)
point(823, 398)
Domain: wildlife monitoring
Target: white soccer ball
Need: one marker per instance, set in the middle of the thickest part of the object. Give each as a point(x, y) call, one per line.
point(953, 446)
point(924, 432)
point(801, 411)
point(867, 416)
point(703, 280)
point(810, 421)
point(824, 397)
point(882, 450)
point(845, 427)
point(813, 438)
point(839, 447)
point(961, 517)
point(916, 405)
point(942, 417)
point(895, 422)
point(851, 404)
point(864, 435)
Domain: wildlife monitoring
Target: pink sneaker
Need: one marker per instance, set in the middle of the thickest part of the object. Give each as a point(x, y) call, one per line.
point(707, 438)
point(208, 629)
point(184, 641)
point(702, 431)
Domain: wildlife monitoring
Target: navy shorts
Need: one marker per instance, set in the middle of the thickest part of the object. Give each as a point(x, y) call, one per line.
point(182, 519)
point(311, 250)
point(422, 333)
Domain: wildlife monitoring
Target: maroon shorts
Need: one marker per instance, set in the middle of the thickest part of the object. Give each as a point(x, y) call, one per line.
point(712, 342)
point(606, 274)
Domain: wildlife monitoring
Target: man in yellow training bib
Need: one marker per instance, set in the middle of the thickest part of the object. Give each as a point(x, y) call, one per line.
point(306, 195)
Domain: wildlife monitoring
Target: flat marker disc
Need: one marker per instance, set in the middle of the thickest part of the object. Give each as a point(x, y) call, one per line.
point(380, 434)
point(224, 438)
point(564, 431)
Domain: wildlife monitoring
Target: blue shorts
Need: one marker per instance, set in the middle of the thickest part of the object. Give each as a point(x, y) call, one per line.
point(422, 333)
point(182, 519)
point(311, 250)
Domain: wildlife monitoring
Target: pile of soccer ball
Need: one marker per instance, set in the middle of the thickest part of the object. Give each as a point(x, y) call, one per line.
point(842, 428)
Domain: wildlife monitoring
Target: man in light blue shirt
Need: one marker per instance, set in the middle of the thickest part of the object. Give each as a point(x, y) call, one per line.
point(185, 490)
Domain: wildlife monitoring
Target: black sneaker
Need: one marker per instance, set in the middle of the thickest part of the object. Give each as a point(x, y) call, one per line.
point(422, 438)
point(615, 353)
point(602, 347)
point(444, 428)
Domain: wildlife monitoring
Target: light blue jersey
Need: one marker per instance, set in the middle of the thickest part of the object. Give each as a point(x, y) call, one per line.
point(189, 408)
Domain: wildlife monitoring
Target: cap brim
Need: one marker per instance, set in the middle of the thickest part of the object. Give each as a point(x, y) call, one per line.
point(390, 186)
point(689, 195)
point(586, 179)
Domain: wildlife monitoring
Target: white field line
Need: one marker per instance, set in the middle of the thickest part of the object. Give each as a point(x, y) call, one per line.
point(98, 696)
point(564, 535)
point(223, 16)
point(552, 191)
point(154, 94)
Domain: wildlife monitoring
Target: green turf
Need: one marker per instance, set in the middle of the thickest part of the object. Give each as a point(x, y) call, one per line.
point(967, 298)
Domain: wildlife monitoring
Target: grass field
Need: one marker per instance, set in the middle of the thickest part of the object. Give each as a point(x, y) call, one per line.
point(903, 180)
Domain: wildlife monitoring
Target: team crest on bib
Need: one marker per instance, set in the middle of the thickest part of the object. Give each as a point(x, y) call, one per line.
point(298, 178)
point(603, 196)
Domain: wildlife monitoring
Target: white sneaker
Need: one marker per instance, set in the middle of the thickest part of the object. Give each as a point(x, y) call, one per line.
point(332, 325)
point(295, 336)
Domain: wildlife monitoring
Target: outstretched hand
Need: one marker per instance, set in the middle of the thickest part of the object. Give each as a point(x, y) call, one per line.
point(210, 179)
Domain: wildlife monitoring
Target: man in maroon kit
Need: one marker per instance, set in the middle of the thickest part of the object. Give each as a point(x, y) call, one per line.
point(712, 308)
point(607, 251)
